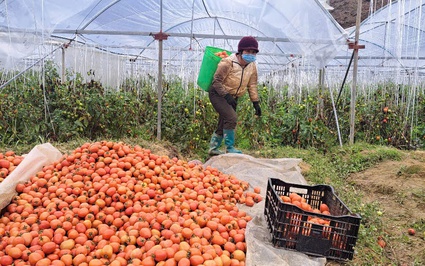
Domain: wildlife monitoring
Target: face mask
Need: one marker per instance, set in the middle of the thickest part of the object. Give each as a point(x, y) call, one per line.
point(249, 58)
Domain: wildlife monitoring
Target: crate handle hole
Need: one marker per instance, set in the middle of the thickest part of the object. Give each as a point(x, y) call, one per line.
point(298, 190)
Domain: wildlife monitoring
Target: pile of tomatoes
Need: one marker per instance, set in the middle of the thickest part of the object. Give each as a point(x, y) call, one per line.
point(8, 162)
point(109, 203)
point(301, 202)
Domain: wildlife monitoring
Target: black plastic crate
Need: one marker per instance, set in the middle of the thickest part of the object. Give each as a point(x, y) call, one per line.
point(293, 228)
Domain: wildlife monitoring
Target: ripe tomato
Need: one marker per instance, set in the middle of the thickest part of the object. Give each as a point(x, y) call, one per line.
point(411, 231)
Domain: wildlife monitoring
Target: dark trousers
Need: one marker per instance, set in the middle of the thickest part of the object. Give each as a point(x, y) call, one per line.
point(227, 116)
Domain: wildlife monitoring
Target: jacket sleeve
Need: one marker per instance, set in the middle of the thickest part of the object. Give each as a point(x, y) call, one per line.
point(252, 86)
point(223, 70)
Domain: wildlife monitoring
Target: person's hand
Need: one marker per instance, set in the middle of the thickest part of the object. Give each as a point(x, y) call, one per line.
point(257, 108)
point(230, 100)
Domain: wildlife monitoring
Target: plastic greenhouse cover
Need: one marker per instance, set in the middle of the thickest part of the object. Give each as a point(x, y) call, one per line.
point(285, 29)
point(393, 36)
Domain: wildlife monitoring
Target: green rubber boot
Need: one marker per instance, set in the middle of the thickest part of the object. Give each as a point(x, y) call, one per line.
point(215, 143)
point(229, 141)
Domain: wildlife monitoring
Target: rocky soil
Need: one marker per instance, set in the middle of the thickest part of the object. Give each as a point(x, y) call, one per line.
point(345, 11)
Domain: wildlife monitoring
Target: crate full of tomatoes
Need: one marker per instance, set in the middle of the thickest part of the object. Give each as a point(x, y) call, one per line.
point(310, 219)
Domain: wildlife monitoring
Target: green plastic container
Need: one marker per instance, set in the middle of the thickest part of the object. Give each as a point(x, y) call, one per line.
point(209, 66)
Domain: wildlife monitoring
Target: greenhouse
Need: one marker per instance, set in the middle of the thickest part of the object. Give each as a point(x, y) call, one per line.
point(302, 47)
point(123, 38)
point(394, 44)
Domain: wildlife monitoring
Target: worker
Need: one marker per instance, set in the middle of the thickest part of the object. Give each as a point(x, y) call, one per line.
point(235, 75)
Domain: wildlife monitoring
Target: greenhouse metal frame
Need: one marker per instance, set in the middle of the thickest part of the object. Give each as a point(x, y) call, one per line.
point(301, 44)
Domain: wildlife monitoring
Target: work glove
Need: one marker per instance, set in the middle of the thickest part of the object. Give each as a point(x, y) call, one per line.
point(230, 100)
point(257, 108)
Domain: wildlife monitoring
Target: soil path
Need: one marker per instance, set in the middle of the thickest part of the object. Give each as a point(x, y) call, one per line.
point(398, 189)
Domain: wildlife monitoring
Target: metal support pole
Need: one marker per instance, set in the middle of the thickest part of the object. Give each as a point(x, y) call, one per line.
point(158, 130)
point(320, 103)
point(63, 65)
point(345, 78)
point(336, 117)
point(159, 37)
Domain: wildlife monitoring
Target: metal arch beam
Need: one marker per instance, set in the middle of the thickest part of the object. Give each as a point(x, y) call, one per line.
point(99, 13)
point(194, 35)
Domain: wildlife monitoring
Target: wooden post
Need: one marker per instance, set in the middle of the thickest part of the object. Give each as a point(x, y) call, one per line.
point(355, 66)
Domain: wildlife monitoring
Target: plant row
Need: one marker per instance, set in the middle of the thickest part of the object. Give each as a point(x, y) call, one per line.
point(32, 111)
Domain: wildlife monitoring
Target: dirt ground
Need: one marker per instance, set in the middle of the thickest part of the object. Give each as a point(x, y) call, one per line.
point(399, 189)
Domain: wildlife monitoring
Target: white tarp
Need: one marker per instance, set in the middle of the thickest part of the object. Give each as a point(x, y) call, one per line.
point(41, 155)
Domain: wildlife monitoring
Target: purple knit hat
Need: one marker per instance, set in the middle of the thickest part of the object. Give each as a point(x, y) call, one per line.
point(248, 43)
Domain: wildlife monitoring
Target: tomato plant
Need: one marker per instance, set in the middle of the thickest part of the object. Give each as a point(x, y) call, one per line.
point(31, 112)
